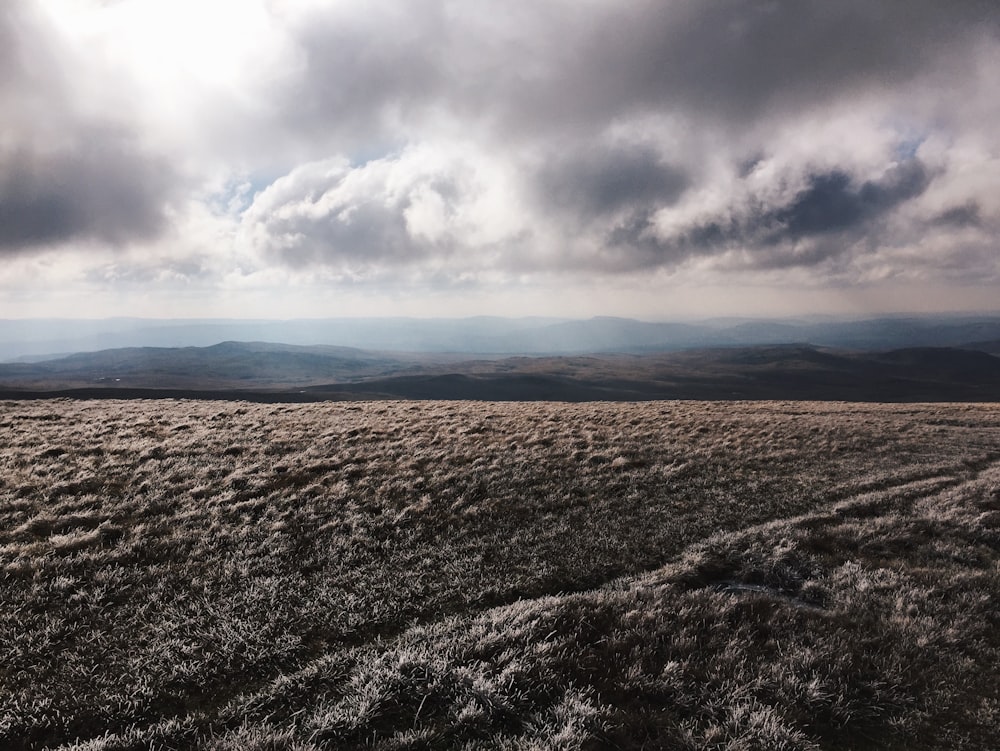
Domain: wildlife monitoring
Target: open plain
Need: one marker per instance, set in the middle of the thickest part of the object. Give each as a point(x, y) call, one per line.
point(402, 575)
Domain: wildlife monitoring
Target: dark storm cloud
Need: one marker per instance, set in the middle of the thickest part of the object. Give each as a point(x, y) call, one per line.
point(99, 190)
point(644, 247)
point(596, 181)
point(66, 176)
point(744, 59)
point(535, 67)
point(967, 215)
point(832, 203)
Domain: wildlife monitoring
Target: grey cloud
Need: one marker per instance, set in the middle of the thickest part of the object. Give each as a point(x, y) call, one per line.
point(364, 72)
point(592, 189)
point(638, 245)
point(578, 68)
point(553, 80)
point(34, 92)
point(832, 203)
point(596, 181)
point(151, 271)
point(523, 140)
point(15, 23)
point(742, 59)
point(66, 176)
point(102, 189)
point(819, 223)
point(373, 234)
point(967, 215)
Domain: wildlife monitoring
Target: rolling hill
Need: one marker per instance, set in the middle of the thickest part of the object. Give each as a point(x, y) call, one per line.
point(46, 339)
point(277, 372)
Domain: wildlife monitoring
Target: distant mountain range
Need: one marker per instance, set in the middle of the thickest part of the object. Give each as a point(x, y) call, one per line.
point(284, 372)
point(32, 340)
point(224, 365)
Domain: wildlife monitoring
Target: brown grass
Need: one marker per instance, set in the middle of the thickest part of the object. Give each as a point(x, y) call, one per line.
point(439, 575)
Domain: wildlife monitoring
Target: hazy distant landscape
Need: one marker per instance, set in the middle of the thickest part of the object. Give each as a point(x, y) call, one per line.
point(40, 338)
point(930, 359)
point(401, 575)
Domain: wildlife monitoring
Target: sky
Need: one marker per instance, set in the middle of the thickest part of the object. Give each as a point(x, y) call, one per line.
point(662, 159)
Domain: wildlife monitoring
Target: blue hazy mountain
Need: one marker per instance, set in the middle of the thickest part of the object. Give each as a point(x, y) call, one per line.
point(34, 339)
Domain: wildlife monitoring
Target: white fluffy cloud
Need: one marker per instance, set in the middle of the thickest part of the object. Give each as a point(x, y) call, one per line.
point(436, 207)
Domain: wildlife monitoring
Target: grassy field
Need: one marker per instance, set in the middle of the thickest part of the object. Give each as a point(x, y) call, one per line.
point(398, 575)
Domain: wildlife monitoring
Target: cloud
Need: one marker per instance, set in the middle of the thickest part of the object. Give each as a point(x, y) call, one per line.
point(539, 68)
point(424, 207)
point(67, 174)
point(360, 71)
point(959, 216)
point(101, 188)
point(544, 143)
point(618, 120)
point(597, 180)
point(823, 218)
point(832, 204)
point(763, 58)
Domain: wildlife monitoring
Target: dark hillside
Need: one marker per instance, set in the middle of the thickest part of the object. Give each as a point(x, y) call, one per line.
point(224, 365)
point(787, 371)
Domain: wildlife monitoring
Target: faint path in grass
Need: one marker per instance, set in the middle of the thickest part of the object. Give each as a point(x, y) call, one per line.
point(866, 499)
point(236, 544)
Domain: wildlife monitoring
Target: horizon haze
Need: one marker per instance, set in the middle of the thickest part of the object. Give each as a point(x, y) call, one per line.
point(45, 338)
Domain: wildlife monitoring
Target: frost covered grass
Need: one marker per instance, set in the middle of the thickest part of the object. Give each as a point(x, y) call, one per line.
point(477, 575)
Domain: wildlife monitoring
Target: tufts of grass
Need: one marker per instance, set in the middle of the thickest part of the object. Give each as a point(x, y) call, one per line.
point(479, 575)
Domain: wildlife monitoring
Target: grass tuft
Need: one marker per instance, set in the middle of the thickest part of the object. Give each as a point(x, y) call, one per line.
point(442, 575)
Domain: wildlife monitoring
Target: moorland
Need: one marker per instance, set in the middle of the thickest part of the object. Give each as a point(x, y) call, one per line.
point(270, 372)
point(403, 575)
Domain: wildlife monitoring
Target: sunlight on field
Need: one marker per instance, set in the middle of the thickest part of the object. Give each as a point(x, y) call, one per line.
point(478, 575)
